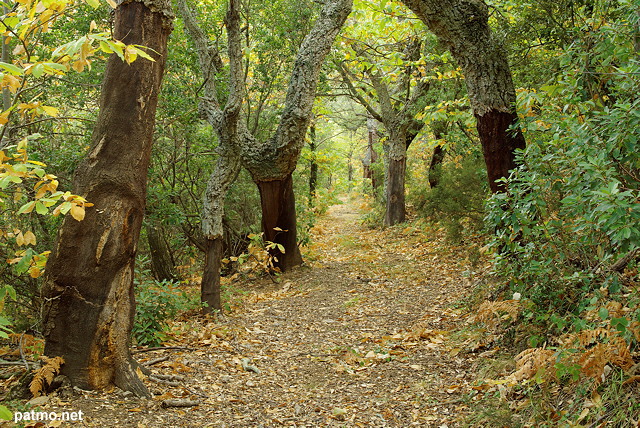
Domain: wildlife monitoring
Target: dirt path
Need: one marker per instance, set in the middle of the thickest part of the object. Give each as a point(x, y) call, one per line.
point(357, 338)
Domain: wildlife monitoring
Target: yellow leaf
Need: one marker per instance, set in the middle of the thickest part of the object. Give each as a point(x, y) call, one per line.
point(4, 117)
point(130, 54)
point(77, 212)
point(79, 65)
point(93, 26)
point(29, 238)
point(51, 111)
point(20, 239)
point(112, 3)
point(34, 272)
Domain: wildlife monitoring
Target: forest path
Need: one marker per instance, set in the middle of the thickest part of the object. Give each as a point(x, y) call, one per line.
point(359, 337)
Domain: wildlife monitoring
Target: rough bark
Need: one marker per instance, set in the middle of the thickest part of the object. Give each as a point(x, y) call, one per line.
point(162, 264)
point(210, 285)
point(395, 210)
point(272, 162)
point(313, 165)
point(226, 122)
point(89, 300)
point(462, 26)
point(279, 219)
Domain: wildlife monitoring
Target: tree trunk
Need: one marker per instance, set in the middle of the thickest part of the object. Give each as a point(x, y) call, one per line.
point(313, 166)
point(88, 291)
point(371, 156)
point(210, 286)
point(225, 121)
point(435, 168)
point(463, 27)
point(278, 212)
point(499, 145)
point(272, 162)
point(395, 212)
point(162, 264)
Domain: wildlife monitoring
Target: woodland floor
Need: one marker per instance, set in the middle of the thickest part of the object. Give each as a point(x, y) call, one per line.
point(361, 336)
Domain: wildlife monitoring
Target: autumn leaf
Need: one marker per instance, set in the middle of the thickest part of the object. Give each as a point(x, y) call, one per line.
point(77, 212)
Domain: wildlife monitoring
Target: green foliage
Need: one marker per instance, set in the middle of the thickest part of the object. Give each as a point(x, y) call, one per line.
point(458, 201)
point(157, 302)
point(571, 210)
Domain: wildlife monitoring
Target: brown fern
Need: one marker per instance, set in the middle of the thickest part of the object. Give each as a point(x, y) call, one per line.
point(45, 375)
point(530, 361)
point(491, 313)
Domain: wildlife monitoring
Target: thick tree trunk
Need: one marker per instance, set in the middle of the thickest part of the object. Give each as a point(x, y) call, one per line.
point(210, 286)
point(88, 291)
point(162, 264)
point(279, 220)
point(463, 26)
point(499, 145)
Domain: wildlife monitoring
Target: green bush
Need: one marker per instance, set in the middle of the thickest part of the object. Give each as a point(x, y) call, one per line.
point(157, 302)
point(572, 208)
point(458, 201)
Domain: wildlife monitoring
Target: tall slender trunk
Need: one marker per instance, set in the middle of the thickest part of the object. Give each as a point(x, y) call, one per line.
point(88, 291)
point(279, 220)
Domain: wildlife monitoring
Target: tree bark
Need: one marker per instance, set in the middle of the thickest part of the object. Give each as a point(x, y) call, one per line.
point(227, 123)
point(210, 285)
point(272, 162)
point(313, 166)
point(435, 166)
point(463, 27)
point(371, 156)
point(395, 209)
point(499, 144)
point(279, 220)
point(88, 291)
point(162, 264)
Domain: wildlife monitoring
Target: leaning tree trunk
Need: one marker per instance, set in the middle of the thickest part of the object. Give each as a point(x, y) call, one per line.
point(271, 163)
point(88, 291)
point(225, 120)
point(463, 26)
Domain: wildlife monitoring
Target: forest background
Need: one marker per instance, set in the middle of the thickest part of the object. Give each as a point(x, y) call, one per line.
point(554, 247)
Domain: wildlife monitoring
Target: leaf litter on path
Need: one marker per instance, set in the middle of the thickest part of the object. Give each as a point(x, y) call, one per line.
point(358, 337)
